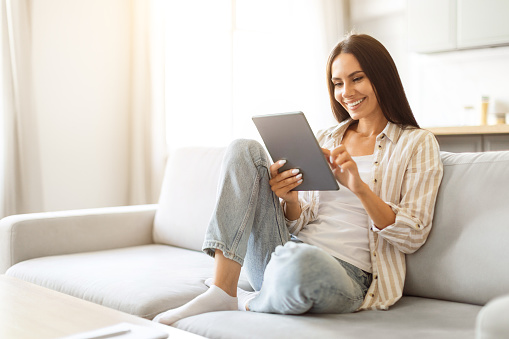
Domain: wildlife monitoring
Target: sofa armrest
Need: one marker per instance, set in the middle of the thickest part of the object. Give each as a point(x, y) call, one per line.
point(28, 236)
point(492, 320)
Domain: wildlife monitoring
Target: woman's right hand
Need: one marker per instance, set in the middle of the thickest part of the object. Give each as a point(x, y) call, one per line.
point(283, 183)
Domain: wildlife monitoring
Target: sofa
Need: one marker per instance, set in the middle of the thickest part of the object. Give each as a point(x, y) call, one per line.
point(146, 259)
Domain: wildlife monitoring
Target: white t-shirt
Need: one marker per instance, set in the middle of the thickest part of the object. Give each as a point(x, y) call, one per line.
point(341, 228)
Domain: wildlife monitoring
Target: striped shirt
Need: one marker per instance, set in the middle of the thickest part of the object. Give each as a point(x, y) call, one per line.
point(406, 174)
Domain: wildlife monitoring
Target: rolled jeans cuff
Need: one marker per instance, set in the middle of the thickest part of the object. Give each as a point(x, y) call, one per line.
point(210, 246)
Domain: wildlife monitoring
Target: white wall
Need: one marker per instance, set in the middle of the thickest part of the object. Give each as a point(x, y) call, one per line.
point(81, 66)
point(446, 88)
point(439, 86)
point(386, 21)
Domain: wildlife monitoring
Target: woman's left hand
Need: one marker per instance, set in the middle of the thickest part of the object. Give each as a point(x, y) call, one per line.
point(345, 169)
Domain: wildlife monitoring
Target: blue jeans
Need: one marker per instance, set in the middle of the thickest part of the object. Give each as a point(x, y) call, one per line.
point(248, 226)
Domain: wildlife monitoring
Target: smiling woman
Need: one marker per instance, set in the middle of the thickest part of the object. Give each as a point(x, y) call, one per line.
point(229, 60)
point(390, 171)
point(374, 61)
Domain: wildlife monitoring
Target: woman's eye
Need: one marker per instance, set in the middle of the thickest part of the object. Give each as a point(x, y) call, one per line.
point(338, 84)
point(358, 79)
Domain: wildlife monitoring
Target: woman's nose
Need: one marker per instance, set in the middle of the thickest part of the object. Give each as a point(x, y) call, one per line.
point(348, 90)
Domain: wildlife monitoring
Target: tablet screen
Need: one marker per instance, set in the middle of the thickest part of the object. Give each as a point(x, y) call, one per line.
point(288, 136)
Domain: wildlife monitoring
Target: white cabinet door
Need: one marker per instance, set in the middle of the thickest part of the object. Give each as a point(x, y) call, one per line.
point(483, 23)
point(431, 25)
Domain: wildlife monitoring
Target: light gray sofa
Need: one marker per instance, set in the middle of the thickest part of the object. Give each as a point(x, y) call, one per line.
point(146, 259)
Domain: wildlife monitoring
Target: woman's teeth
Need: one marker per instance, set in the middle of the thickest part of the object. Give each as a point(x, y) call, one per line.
point(353, 104)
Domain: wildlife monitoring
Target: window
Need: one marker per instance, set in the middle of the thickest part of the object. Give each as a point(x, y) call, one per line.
point(227, 60)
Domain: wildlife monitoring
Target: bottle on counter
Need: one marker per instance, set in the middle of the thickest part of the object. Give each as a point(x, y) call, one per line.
point(484, 110)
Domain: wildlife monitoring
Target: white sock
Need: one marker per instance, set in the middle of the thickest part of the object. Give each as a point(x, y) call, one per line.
point(215, 299)
point(244, 296)
point(209, 282)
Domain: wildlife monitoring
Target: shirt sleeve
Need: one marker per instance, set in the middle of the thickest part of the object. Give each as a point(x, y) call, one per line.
point(414, 212)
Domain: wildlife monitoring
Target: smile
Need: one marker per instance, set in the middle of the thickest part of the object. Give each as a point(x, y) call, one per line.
point(352, 105)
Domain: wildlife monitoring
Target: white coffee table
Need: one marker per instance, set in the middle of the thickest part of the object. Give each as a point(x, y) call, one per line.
point(31, 311)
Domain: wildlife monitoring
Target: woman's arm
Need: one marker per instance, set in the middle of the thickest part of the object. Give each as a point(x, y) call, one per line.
point(415, 201)
point(346, 172)
point(378, 210)
point(407, 226)
point(292, 210)
point(282, 184)
point(299, 210)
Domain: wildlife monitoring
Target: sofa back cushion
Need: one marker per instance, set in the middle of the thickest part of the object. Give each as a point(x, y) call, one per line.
point(464, 258)
point(188, 197)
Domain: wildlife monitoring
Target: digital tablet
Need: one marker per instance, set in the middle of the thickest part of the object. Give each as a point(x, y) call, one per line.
point(288, 136)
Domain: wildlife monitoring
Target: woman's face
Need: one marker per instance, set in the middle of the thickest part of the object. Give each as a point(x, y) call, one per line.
point(353, 89)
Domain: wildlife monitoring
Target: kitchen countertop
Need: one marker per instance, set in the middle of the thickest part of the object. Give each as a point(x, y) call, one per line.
point(470, 130)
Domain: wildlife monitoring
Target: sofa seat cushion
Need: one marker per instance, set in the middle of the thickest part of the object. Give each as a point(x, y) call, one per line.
point(142, 280)
point(411, 317)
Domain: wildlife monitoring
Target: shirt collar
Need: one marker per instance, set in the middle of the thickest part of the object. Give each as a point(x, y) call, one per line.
point(340, 129)
point(391, 131)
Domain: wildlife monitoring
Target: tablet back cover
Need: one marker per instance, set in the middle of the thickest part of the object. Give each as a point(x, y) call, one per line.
point(288, 136)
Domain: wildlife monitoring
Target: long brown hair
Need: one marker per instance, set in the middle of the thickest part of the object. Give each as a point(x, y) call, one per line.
point(377, 64)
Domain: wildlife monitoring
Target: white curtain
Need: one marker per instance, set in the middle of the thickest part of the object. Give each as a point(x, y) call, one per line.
point(147, 119)
point(21, 190)
point(228, 60)
point(213, 66)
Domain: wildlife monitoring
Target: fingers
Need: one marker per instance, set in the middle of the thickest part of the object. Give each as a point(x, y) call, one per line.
point(327, 155)
point(283, 191)
point(285, 178)
point(284, 182)
point(340, 157)
point(338, 150)
point(275, 167)
point(326, 152)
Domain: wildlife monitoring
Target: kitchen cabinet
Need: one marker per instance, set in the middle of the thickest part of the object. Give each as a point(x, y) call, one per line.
point(460, 143)
point(482, 23)
point(472, 138)
point(446, 25)
point(431, 25)
point(496, 142)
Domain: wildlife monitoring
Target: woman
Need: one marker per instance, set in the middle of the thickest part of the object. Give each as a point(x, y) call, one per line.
point(327, 252)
